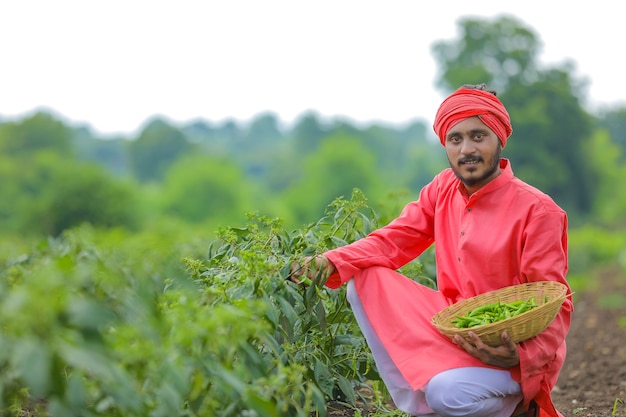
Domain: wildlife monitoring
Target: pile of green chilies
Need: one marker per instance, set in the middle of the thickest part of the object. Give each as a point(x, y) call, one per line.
point(494, 312)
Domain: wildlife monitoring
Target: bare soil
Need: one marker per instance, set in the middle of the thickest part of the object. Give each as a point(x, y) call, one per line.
point(593, 379)
point(592, 382)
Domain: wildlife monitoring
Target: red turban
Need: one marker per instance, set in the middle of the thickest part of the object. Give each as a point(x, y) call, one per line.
point(468, 102)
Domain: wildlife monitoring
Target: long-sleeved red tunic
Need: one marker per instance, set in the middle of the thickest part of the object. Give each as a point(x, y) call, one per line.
point(506, 233)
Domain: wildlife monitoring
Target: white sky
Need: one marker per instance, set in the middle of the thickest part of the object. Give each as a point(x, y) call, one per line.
point(114, 64)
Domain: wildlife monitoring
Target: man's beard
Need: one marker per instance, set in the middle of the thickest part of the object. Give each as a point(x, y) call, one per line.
point(493, 167)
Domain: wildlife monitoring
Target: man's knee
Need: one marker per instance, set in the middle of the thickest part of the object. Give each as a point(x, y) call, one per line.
point(472, 392)
point(445, 397)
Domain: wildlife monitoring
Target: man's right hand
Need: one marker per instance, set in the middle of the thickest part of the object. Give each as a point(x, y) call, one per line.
point(309, 268)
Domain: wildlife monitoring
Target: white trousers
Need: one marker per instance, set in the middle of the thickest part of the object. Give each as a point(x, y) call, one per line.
point(471, 391)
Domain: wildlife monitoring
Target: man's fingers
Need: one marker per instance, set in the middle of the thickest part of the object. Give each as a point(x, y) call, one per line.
point(460, 341)
point(506, 340)
point(309, 268)
point(505, 355)
point(299, 269)
point(475, 340)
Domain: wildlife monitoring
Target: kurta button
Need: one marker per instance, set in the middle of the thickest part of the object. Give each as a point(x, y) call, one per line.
point(458, 259)
point(462, 233)
point(469, 209)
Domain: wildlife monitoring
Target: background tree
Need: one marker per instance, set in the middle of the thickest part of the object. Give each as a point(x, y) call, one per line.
point(110, 153)
point(423, 162)
point(276, 169)
point(39, 132)
point(199, 188)
point(307, 133)
point(396, 150)
point(217, 138)
point(550, 132)
point(341, 164)
point(549, 123)
point(607, 157)
point(614, 121)
point(158, 146)
point(55, 194)
point(496, 52)
point(258, 144)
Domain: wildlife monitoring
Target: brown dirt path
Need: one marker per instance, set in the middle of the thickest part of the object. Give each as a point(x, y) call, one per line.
point(593, 378)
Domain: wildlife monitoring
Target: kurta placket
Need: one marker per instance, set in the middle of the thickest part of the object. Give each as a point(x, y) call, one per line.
point(464, 225)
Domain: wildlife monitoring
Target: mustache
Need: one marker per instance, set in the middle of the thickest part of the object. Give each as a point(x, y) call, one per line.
point(469, 159)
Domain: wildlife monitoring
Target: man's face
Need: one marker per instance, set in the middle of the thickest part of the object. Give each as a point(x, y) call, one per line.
point(474, 153)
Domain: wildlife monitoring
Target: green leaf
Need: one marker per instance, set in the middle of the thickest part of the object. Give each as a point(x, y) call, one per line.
point(33, 362)
point(288, 311)
point(323, 378)
point(320, 403)
point(56, 407)
point(272, 315)
point(262, 407)
point(170, 402)
point(321, 315)
point(337, 241)
point(76, 395)
point(346, 387)
point(87, 314)
point(346, 339)
point(239, 231)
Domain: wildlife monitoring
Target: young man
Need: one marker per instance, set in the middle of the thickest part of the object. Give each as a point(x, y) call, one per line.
point(491, 230)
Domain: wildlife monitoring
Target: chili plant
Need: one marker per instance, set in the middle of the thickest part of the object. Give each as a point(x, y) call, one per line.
point(97, 324)
point(309, 326)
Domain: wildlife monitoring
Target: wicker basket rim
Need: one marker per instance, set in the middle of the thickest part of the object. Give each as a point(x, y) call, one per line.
point(561, 294)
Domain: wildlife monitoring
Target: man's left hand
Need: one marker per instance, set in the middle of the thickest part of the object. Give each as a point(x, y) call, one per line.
point(504, 356)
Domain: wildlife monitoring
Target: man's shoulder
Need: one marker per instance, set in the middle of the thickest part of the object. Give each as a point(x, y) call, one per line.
point(446, 177)
point(534, 195)
point(443, 183)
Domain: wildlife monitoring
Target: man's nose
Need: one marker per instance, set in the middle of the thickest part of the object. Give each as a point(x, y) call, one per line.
point(467, 147)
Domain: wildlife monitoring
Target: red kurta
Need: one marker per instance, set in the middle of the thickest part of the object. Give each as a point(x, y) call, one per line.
point(506, 233)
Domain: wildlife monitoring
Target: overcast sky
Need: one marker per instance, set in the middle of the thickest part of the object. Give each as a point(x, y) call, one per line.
point(114, 64)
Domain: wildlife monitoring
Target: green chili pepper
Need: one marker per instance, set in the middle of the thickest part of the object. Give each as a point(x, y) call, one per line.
point(493, 312)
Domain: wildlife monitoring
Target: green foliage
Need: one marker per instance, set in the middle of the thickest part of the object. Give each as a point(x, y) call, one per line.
point(199, 188)
point(97, 330)
point(110, 153)
point(424, 161)
point(263, 135)
point(340, 165)
point(616, 404)
point(614, 120)
point(492, 52)
point(312, 327)
point(293, 172)
point(607, 158)
point(552, 123)
point(54, 194)
point(107, 323)
point(550, 126)
point(158, 146)
point(307, 133)
point(39, 132)
point(591, 245)
point(101, 321)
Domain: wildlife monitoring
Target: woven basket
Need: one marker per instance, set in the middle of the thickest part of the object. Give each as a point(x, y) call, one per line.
point(521, 327)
